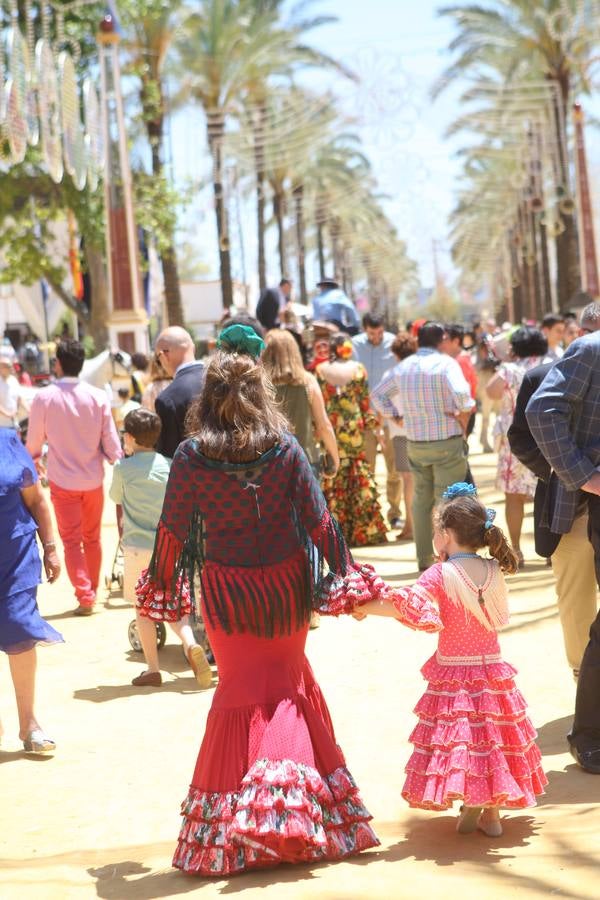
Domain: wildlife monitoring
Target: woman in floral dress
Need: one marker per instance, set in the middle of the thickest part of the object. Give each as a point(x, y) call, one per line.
point(352, 493)
point(528, 347)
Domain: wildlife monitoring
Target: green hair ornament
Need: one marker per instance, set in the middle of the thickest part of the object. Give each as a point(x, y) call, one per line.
point(241, 339)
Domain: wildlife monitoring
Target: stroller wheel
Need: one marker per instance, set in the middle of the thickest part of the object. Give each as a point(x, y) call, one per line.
point(134, 638)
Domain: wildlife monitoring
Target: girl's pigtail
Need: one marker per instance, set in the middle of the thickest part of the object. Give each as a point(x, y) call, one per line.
point(500, 549)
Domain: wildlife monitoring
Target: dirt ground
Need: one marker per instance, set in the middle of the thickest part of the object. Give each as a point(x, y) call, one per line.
point(100, 817)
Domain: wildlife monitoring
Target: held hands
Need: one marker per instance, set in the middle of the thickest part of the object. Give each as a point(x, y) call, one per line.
point(51, 564)
point(593, 485)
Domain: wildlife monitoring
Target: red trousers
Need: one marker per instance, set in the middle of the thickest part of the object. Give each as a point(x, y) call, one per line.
point(79, 518)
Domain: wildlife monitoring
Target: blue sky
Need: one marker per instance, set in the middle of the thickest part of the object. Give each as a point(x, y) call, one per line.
point(398, 47)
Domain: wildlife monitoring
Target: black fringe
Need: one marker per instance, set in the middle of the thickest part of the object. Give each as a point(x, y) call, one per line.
point(261, 600)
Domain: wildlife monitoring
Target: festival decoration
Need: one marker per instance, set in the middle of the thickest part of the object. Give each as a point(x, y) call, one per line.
point(41, 100)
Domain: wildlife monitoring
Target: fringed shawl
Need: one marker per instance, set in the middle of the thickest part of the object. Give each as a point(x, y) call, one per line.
point(260, 593)
point(492, 611)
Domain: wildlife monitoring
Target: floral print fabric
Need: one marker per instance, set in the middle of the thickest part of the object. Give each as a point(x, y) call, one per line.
point(512, 476)
point(352, 494)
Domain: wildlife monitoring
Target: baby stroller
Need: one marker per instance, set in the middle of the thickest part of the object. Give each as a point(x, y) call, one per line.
point(116, 573)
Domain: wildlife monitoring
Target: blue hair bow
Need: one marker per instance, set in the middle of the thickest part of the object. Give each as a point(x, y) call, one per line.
point(459, 489)
point(490, 515)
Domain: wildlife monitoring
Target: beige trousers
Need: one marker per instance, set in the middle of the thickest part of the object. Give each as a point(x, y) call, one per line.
point(576, 589)
point(394, 479)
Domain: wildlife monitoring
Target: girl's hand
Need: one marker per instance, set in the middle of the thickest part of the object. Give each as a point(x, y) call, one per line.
point(51, 564)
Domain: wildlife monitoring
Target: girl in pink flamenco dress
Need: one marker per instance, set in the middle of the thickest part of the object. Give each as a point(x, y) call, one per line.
point(474, 741)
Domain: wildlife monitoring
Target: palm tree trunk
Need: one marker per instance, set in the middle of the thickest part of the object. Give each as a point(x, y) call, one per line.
point(298, 194)
point(259, 165)
point(567, 252)
point(320, 249)
point(96, 327)
point(537, 287)
point(545, 269)
point(216, 130)
point(278, 206)
point(168, 258)
point(335, 246)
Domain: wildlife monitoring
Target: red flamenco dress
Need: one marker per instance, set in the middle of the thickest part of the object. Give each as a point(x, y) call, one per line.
point(474, 741)
point(271, 783)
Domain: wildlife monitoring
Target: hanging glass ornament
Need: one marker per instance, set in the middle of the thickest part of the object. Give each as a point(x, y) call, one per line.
point(74, 149)
point(93, 136)
point(16, 89)
point(49, 110)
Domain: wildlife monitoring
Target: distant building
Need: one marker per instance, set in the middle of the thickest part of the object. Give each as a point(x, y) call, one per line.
point(203, 305)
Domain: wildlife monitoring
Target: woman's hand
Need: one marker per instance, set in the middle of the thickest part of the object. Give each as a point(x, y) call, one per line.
point(51, 564)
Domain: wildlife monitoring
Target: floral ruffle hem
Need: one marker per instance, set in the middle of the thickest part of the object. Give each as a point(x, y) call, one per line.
point(474, 741)
point(284, 812)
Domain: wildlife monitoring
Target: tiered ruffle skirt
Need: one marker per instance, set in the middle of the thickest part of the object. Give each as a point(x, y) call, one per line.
point(474, 741)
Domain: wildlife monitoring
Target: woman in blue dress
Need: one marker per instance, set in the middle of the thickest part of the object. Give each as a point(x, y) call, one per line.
point(23, 511)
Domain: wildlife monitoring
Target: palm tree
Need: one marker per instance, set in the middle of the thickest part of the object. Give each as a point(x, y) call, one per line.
point(517, 39)
point(220, 48)
point(151, 25)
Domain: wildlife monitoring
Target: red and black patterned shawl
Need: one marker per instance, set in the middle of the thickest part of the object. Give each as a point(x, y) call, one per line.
point(257, 535)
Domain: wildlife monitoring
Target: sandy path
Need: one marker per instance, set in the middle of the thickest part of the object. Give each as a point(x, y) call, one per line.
point(100, 818)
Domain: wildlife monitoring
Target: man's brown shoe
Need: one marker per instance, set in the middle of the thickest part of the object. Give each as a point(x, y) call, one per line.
point(83, 611)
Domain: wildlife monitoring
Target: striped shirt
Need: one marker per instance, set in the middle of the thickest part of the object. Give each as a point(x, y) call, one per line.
point(427, 389)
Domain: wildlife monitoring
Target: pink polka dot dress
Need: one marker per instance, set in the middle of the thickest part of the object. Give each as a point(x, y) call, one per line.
point(474, 741)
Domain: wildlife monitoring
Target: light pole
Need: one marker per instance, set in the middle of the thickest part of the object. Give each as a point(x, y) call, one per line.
point(128, 321)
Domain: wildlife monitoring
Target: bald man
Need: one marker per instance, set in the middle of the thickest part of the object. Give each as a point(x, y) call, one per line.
point(175, 349)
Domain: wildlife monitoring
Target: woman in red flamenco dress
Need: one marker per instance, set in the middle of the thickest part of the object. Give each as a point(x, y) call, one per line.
point(244, 511)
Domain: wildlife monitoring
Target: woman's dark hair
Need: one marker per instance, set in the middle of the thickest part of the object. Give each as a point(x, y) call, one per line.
point(143, 425)
point(70, 354)
point(336, 340)
point(527, 341)
point(242, 319)
point(403, 345)
point(140, 361)
point(236, 418)
point(454, 330)
point(466, 517)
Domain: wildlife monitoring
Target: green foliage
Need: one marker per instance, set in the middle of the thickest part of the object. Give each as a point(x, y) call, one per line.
point(156, 204)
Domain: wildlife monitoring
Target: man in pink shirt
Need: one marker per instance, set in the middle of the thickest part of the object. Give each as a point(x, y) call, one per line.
point(75, 420)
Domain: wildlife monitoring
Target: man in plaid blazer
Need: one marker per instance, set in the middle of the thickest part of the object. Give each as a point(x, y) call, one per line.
point(564, 418)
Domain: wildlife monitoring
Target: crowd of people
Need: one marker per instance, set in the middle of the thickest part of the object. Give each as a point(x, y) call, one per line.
point(241, 482)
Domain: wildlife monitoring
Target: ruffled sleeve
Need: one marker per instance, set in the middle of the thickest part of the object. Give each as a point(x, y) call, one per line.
point(165, 590)
point(416, 606)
